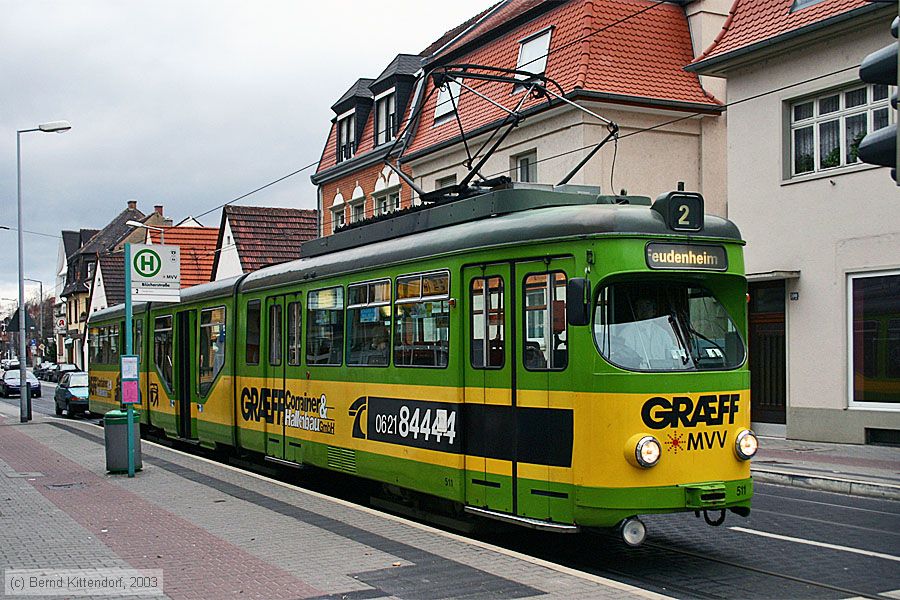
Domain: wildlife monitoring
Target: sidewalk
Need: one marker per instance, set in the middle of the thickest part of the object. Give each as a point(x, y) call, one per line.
point(861, 470)
point(219, 532)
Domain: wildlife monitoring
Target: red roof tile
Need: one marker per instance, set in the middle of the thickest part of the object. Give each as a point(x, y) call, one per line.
point(752, 21)
point(198, 247)
point(628, 54)
point(268, 236)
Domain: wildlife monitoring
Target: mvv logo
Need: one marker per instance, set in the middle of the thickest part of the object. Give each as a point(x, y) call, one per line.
point(705, 440)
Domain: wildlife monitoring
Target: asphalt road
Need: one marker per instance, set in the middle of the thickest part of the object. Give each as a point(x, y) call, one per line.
point(796, 544)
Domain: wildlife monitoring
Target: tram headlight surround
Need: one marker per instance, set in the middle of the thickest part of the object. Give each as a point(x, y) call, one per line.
point(647, 451)
point(746, 444)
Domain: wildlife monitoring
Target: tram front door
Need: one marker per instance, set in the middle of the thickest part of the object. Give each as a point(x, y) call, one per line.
point(543, 401)
point(489, 435)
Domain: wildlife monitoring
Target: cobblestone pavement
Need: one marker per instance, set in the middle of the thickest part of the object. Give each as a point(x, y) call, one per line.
point(217, 532)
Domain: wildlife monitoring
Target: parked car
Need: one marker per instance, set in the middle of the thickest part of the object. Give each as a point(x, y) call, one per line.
point(60, 369)
point(9, 364)
point(72, 393)
point(10, 384)
point(40, 371)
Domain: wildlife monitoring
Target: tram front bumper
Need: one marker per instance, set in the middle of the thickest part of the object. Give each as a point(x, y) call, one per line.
point(605, 507)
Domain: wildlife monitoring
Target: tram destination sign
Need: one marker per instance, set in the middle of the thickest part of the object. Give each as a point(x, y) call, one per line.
point(686, 256)
point(155, 273)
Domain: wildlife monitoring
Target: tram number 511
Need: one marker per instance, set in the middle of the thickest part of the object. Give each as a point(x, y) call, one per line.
point(741, 490)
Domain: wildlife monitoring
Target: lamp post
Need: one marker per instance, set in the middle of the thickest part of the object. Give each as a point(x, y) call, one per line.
point(41, 309)
point(24, 388)
point(161, 230)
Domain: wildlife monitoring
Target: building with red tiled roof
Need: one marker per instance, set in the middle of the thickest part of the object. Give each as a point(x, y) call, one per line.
point(198, 250)
point(253, 237)
point(822, 228)
point(622, 59)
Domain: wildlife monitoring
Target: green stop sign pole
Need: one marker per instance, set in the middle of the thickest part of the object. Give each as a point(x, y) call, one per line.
point(128, 350)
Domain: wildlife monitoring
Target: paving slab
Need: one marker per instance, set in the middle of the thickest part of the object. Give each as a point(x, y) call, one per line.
point(219, 532)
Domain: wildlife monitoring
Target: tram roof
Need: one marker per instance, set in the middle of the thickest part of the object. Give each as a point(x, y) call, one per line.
point(556, 215)
point(542, 215)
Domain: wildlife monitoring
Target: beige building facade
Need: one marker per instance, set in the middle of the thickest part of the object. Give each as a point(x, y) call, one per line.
point(822, 229)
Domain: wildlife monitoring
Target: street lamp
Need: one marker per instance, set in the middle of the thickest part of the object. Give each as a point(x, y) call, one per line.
point(41, 309)
point(24, 388)
point(161, 230)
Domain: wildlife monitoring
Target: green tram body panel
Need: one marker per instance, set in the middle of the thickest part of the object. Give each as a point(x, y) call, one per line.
point(544, 444)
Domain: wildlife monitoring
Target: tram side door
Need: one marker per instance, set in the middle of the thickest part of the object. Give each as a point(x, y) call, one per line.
point(184, 362)
point(544, 408)
point(488, 424)
point(274, 360)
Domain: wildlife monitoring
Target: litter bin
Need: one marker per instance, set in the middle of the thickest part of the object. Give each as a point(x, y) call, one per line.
point(115, 430)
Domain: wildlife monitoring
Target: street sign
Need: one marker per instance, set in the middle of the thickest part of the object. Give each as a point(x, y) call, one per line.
point(61, 324)
point(130, 392)
point(155, 273)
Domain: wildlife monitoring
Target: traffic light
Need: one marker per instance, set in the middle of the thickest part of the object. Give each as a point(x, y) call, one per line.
point(881, 67)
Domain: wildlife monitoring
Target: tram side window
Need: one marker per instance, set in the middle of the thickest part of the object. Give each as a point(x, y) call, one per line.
point(251, 355)
point(325, 327)
point(95, 344)
point(295, 312)
point(369, 323)
point(422, 326)
point(211, 346)
point(275, 335)
point(545, 340)
point(162, 348)
point(488, 323)
point(112, 352)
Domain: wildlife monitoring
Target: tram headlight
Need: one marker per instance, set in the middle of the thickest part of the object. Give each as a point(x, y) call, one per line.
point(746, 444)
point(647, 451)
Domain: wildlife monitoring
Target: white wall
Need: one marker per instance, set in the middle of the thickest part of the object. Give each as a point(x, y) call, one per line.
point(229, 262)
point(648, 163)
point(825, 227)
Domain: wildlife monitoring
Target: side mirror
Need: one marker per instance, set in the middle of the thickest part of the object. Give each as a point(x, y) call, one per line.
point(577, 303)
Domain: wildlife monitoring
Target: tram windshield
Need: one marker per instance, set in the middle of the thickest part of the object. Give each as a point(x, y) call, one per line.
point(665, 327)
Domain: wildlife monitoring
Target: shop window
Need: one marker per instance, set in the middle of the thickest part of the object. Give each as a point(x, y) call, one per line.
point(875, 338)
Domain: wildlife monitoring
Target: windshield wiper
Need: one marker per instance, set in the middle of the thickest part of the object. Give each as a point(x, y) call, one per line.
point(686, 355)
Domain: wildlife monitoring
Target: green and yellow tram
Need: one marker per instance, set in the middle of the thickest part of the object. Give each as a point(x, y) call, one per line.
point(557, 359)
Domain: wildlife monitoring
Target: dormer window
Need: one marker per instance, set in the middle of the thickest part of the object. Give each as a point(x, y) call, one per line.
point(447, 100)
point(533, 53)
point(385, 117)
point(346, 137)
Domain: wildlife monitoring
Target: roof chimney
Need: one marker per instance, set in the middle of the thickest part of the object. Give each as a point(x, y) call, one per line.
point(132, 204)
point(159, 209)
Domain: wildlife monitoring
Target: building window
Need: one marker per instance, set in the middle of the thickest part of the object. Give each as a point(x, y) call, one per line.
point(826, 129)
point(447, 100)
point(875, 338)
point(533, 54)
point(445, 182)
point(211, 346)
point(387, 202)
point(385, 118)
point(337, 219)
point(358, 211)
point(801, 4)
point(524, 167)
point(346, 145)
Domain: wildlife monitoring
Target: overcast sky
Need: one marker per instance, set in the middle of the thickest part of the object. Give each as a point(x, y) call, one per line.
point(183, 103)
